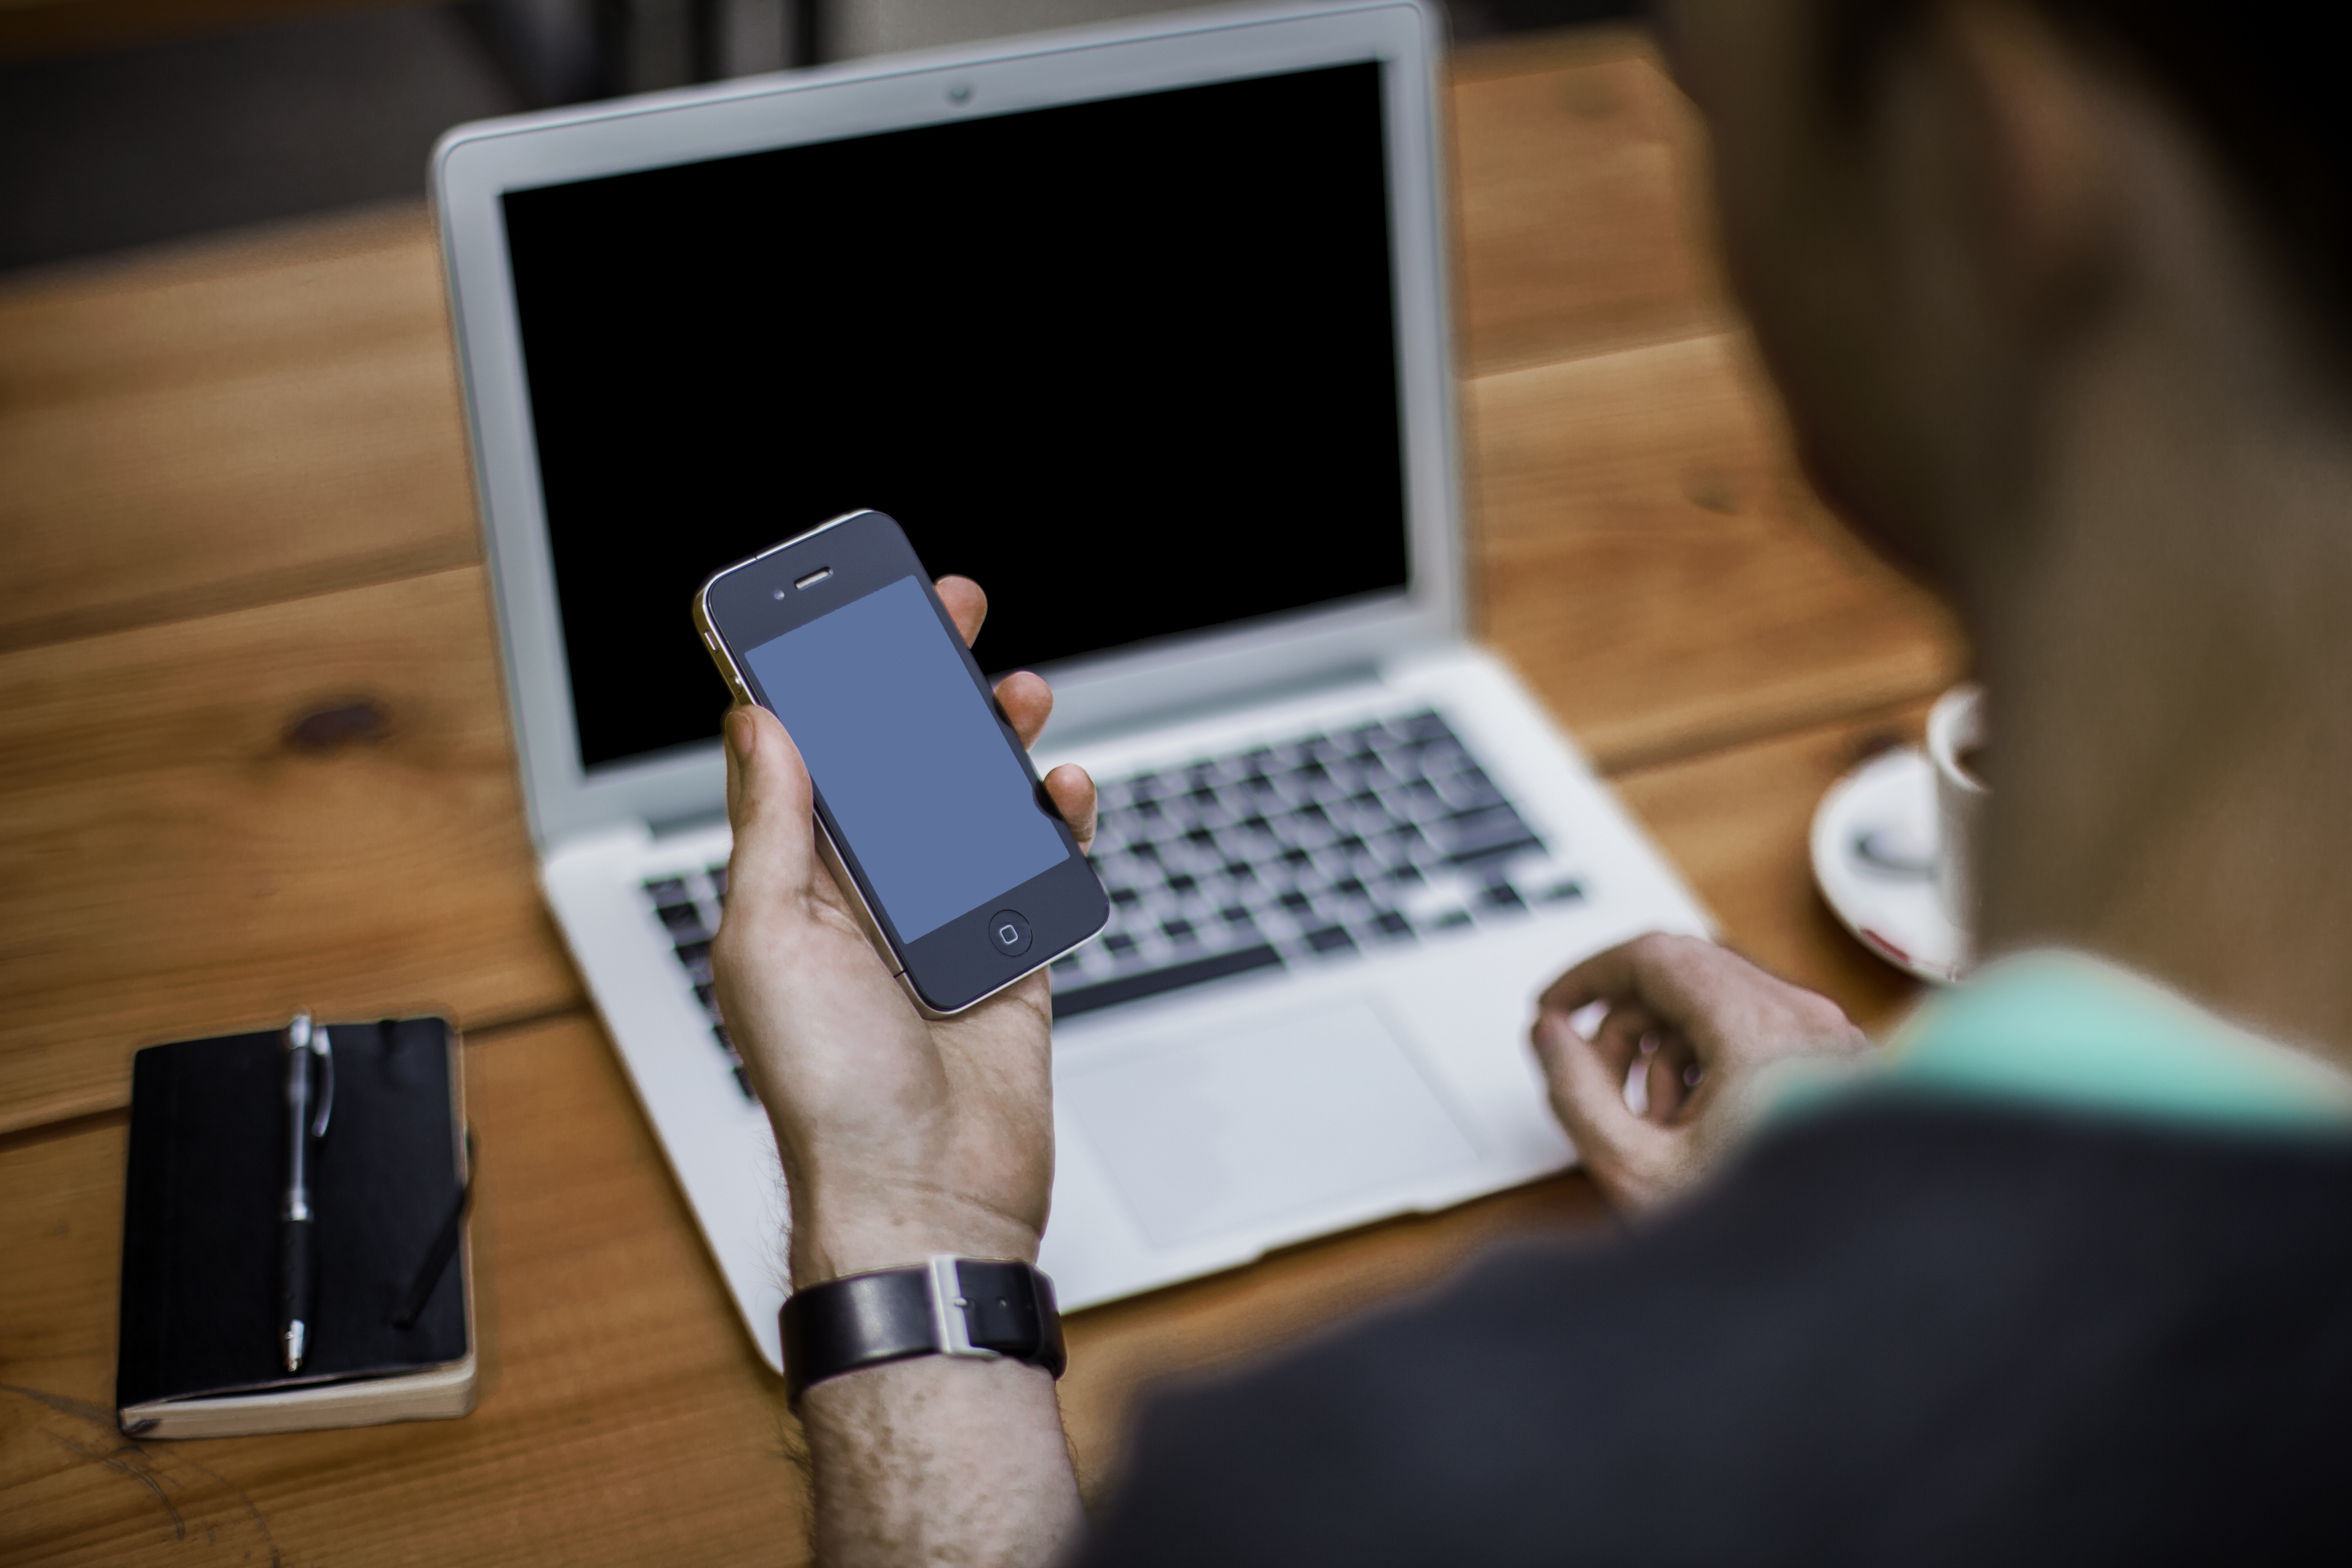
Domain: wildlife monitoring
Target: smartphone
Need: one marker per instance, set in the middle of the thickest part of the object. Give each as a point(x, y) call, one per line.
point(928, 811)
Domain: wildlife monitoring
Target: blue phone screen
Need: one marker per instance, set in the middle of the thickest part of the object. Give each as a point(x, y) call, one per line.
point(939, 811)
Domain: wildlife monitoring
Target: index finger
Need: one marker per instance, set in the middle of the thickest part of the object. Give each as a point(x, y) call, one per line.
point(967, 605)
point(1657, 971)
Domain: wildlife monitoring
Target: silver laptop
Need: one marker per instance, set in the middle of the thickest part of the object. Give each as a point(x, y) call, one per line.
point(1145, 328)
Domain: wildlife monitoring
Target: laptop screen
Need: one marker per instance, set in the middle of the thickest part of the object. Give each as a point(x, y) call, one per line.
point(1129, 363)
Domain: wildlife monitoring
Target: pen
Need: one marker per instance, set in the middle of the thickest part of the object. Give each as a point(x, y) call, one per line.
point(308, 1053)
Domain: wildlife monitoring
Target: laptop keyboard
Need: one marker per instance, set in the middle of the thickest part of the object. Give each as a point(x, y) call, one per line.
point(1273, 857)
point(688, 906)
point(1294, 855)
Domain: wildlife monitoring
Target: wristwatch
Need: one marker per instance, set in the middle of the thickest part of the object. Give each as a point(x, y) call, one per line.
point(982, 1307)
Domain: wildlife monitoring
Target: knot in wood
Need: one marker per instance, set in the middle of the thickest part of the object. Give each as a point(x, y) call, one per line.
point(338, 724)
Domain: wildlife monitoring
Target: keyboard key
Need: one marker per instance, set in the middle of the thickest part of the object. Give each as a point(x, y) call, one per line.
point(684, 920)
point(719, 881)
point(1424, 725)
point(1440, 758)
point(1420, 802)
point(1468, 790)
point(669, 892)
point(743, 1082)
point(1501, 895)
point(1157, 982)
point(1330, 938)
point(1362, 836)
point(708, 998)
point(1484, 834)
point(696, 956)
point(1568, 893)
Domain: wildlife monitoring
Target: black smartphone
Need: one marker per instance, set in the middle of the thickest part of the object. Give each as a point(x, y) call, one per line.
point(929, 810)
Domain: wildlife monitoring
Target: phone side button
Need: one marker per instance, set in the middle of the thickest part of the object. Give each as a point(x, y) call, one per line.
point(1009, 932)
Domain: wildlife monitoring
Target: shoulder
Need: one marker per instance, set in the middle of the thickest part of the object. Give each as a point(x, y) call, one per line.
point(1742, 1371)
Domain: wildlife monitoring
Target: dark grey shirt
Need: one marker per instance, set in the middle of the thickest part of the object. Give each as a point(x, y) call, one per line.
point(1903, 1330)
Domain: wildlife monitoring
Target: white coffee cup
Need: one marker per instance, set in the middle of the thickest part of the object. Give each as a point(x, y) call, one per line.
point(1955, 727)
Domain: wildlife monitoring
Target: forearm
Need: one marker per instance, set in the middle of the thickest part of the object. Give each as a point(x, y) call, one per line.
point(938, 1458)
point(941, 1460)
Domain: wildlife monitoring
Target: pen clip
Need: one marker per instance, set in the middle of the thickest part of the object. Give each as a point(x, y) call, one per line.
point(325, 1050)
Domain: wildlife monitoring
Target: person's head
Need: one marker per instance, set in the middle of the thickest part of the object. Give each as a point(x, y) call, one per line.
point(1940, 212)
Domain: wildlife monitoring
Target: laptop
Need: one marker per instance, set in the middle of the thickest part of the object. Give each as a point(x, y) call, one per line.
point(1146, 329)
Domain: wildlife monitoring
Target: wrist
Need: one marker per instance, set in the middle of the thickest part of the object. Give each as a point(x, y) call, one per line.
point(834, 1241)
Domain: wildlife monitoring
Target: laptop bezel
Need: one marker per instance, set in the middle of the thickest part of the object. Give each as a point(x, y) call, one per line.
point(474, 165)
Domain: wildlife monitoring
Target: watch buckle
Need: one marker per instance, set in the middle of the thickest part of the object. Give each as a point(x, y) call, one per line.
point(948, 1310)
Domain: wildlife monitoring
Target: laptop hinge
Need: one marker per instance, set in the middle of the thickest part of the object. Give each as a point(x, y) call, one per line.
point(1168, 714)
point(696, 822)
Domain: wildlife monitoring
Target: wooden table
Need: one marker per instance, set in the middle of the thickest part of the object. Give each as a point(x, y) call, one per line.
point(233, 485)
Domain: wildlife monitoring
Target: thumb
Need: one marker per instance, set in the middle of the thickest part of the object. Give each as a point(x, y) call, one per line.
point(769, 804)
point(1589, 1101)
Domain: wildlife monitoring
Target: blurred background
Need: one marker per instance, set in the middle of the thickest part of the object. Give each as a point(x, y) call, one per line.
point(130, 122)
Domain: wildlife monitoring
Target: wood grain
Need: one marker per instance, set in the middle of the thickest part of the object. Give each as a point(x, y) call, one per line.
point(614, 1348)
point(1736, 820)
point(239, 422)
point(624, 1416)
point(1650, 560)
point(1581, 221)
point(625, 1419)
point(172, 865)
point(235, 423)
point(234, 478)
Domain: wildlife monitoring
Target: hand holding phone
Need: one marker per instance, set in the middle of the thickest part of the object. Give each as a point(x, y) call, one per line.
point(926, 806)
point(902, 1135)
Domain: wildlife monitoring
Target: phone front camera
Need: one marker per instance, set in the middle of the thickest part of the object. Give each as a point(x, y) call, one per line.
point(777, 594)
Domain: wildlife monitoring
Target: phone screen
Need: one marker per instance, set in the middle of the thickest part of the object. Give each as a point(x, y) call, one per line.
point(941, 814)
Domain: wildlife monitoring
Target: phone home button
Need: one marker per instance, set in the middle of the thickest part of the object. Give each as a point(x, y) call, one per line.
point(1009, 931)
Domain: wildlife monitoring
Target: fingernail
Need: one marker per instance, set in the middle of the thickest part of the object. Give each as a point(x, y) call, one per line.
point(739, 733)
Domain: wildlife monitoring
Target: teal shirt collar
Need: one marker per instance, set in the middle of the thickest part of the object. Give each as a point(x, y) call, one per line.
point(2061, 1029)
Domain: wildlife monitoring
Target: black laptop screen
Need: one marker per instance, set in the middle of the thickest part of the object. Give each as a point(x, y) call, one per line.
point(1131, 364)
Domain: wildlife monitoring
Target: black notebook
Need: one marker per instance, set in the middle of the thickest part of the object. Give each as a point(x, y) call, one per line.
point(391, 1335)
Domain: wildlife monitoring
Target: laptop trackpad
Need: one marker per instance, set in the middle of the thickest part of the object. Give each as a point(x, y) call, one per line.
point(1209, 1133)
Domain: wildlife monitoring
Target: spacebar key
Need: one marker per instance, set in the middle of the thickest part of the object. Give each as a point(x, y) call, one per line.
point(1130, 987)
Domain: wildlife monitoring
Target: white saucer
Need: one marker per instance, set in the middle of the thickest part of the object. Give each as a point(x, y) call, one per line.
point(1875, 857)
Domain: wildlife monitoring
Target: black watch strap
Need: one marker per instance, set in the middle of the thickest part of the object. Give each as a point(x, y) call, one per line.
point(977, 1307)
